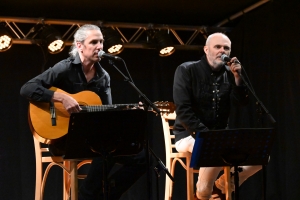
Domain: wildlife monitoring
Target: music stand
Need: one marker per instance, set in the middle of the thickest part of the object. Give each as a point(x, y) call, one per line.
point(105, 133)
point(232, 147)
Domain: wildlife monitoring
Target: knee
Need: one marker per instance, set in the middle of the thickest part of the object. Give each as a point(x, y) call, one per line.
point(251, 169)
point(204, 190)
point(247, 172)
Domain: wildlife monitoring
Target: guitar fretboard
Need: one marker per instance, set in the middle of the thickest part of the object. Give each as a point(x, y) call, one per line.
point(97, 108)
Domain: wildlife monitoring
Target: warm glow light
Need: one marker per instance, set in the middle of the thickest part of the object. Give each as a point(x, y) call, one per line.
point(114, 49)
point(56, 46)
point(166, 50)
point(164, 42)
point(5, 42)
point(113, 42)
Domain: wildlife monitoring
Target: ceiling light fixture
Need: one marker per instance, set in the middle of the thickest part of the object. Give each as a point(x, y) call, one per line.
point(165, 43)
point(5, 39)
point(113, 42)
point(53, 39)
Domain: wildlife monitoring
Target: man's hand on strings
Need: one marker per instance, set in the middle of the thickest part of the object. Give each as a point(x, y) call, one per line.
point(69, 103)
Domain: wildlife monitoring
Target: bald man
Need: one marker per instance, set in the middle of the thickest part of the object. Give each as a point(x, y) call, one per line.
point(203, 92)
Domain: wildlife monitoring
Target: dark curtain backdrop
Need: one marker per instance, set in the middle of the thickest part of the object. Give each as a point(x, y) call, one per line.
point(266, 42)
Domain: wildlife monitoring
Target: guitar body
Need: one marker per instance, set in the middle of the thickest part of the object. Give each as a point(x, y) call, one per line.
point(48, 129)
point(40, 116)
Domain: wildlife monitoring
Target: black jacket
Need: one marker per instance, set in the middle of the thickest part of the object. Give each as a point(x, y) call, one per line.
point(203, 97)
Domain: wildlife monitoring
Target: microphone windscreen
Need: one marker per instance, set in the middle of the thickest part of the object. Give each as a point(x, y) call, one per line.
point(100, 53)
point(225, 58)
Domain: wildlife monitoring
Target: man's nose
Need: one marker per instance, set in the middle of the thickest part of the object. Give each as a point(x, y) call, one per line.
point(222, 50)
point(100, 45)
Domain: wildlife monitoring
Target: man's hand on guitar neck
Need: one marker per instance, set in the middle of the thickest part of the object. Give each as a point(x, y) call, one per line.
point(140, 106)
point(69, 103)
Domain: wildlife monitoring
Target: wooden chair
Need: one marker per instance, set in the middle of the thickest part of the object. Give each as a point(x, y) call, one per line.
point(70, 176)
point(172, 156)
point(47, 122)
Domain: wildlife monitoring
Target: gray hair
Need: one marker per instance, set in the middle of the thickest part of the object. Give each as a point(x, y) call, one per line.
point(80, 36)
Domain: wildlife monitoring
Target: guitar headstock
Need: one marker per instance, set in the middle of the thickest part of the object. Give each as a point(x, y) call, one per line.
point(165, 106)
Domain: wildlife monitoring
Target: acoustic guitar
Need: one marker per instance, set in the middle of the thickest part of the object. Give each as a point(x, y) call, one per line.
point(50, 121)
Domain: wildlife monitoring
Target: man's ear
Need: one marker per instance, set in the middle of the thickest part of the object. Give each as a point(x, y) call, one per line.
point(78, 45)
point(205, 48)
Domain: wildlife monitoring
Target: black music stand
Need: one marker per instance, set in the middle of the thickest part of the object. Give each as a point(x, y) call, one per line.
point(105, 133)
point(232, 147)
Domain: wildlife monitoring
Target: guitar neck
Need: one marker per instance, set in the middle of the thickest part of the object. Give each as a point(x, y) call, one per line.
point(97, 108)
point(50, 122)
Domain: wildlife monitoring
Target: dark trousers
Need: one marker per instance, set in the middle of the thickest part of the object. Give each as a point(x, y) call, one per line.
point(130, 169)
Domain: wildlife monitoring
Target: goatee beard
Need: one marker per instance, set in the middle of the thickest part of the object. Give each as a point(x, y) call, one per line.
point(217, 66)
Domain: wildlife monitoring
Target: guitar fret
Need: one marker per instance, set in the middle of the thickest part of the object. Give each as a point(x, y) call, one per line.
point(99, 108)
point(106, 107)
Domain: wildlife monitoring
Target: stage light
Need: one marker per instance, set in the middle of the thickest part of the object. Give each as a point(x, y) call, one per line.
point(5, 39)
point(53, 39)
point(113, 43)
point(165, 43)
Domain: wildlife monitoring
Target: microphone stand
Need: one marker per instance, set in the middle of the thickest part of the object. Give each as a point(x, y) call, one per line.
point(133, 85)
point(225, 58)
point(147, 102)
point(272, 120)
point(157, 169)
point(258, 101)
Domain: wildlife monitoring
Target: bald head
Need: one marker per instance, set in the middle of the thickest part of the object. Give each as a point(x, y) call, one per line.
point(214, 35)
point(216, 45)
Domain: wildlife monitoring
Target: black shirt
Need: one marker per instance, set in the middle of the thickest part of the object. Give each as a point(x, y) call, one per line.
point(203, 97)
point(68, 75)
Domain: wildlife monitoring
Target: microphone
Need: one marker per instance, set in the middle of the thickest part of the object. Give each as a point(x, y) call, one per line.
point(102, 54)
point(225, 58)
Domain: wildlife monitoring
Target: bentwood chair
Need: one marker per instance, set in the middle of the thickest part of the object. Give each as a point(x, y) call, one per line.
point(172, 156)
point(70, 176)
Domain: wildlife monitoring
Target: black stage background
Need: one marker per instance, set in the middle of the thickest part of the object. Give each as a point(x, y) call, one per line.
point(267, 43)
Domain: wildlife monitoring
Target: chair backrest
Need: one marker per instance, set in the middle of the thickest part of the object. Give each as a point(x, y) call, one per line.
point(167, 123)
point(172, 156)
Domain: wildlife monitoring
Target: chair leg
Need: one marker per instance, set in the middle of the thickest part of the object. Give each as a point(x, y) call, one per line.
point(70, 186)
point(39, 172)
point(168, 181)
point(74, 182)
point(172, 172)
point(167, 188)
point(66, 181)
point(227, 182)
point(189, 180)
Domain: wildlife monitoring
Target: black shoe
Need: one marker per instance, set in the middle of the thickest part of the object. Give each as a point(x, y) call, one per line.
point(217, 194)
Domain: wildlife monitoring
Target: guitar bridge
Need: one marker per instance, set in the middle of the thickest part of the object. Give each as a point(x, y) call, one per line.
point(52, 114)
